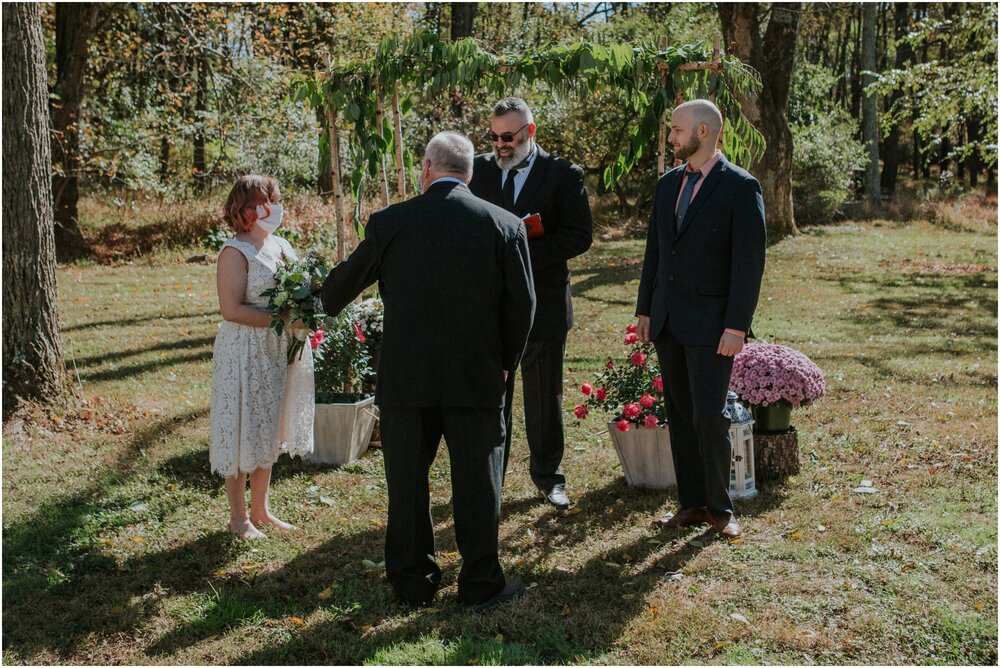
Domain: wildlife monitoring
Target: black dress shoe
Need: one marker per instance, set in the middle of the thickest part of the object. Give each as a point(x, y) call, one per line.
point(514, 589)
point(556, 496)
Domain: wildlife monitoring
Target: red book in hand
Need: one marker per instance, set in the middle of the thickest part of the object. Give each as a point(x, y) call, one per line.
point(534, 225)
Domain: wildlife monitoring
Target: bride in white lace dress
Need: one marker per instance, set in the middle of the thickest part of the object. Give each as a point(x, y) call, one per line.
point(261, 405)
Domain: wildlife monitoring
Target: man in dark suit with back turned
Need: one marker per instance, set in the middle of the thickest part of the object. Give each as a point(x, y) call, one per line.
point(454, 274)
point(700, 282)
point(522, 178)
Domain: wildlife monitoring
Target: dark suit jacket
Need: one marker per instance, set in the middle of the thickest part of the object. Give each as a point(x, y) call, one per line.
point(554, 190)
point(706, 277)
point(454, 274)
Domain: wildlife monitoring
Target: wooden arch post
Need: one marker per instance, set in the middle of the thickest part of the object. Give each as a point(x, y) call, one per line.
point(338, 188)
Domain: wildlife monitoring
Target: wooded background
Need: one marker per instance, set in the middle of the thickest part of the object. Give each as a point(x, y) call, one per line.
point(169, 102)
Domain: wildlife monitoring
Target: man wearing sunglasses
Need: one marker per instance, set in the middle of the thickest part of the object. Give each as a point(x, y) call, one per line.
point(548, 193)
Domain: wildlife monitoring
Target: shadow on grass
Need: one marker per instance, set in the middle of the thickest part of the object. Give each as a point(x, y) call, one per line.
point(183, 344)
point(58, 584)
point(194, 470)
point(138, 320)
point(133, 370)
point(600, 277)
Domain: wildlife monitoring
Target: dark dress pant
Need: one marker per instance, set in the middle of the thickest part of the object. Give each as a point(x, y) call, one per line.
point(696, 380)
point(475, 440)
point(542, 387)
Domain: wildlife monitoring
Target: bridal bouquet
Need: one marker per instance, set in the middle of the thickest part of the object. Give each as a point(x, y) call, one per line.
point(296, 297)
point(631, 391)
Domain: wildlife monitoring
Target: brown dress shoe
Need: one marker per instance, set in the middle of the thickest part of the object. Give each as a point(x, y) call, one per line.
point(726, 525)
point(685, 517)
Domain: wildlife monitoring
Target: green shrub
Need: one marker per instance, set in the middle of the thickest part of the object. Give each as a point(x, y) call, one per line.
point(823, 163)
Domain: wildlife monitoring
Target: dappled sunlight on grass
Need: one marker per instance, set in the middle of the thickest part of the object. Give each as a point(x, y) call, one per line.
point(114, 541)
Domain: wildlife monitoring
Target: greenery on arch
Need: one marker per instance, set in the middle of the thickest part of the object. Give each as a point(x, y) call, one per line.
point(646, 80)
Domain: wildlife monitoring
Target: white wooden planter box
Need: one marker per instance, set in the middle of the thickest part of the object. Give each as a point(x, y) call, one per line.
point(341, 431)
point(647, 461)
point(645, 456)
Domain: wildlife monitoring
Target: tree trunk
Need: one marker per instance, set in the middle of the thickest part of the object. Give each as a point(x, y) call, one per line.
point(904, 53)
point(856, 21)
point(870, 133)
point(32, 349)
point(772, 55)
point(972, 162)
point(324, 183)
point(462, 16)
point(199, 163)
point(75, 24)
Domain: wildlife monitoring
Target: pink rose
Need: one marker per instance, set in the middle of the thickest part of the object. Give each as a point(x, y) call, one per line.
point(658, 384)
point(602, 394)
point(623, 425)
point(587, 388)
point(631, 338)
point(638, 359)
point(316, 339)
point(632, 411)
point(609, 365)
point(359, 333)
point(581, 411)
point(630, 329)
point(651, 422)
point(647, 400)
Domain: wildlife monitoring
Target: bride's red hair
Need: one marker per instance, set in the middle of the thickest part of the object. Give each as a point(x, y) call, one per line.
point(249, 192)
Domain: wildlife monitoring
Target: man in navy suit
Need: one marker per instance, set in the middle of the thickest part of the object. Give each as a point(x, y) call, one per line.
point(700, 282)
point(525, 180)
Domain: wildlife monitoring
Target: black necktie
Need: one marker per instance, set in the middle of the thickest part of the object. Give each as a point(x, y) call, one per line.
point(508, 190)
point(682, 205)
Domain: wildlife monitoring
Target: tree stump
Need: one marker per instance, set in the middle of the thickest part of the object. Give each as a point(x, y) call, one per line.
point(776, 454)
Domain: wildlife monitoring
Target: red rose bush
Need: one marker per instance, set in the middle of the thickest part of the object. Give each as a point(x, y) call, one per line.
point(630, 391)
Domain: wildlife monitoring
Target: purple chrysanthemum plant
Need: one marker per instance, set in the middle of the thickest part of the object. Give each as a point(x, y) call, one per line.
point(765, 373)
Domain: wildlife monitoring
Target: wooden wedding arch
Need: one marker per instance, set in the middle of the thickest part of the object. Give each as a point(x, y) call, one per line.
point(365, 101)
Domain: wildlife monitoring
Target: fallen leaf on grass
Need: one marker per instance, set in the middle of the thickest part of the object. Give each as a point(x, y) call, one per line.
point(978, 606)
point(795, 535)
point(498, 637)
point(138, 539)
point(653, 610)
point(296, 621)
point(325, 594)
point(365, 628)
point(575, 510)
point(432, 611)
point(566, 610)
point(740, 618)
point(718, 646)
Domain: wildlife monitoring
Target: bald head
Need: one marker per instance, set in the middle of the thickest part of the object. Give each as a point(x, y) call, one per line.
point(698, 112)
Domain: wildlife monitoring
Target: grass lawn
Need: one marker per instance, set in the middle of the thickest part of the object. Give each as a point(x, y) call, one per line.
point(113, 541)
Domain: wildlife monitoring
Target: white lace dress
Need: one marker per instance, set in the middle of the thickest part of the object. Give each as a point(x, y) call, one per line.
point(261, 405)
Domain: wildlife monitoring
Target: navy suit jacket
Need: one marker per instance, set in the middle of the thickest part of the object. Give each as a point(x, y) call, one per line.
point(554, 190)
point(705, 277)
point(454, 274)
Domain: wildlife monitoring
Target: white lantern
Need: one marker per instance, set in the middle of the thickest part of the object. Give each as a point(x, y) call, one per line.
point(742, 482)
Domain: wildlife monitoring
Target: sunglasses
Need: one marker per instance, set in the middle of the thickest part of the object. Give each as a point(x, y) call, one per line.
point(507, 137)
